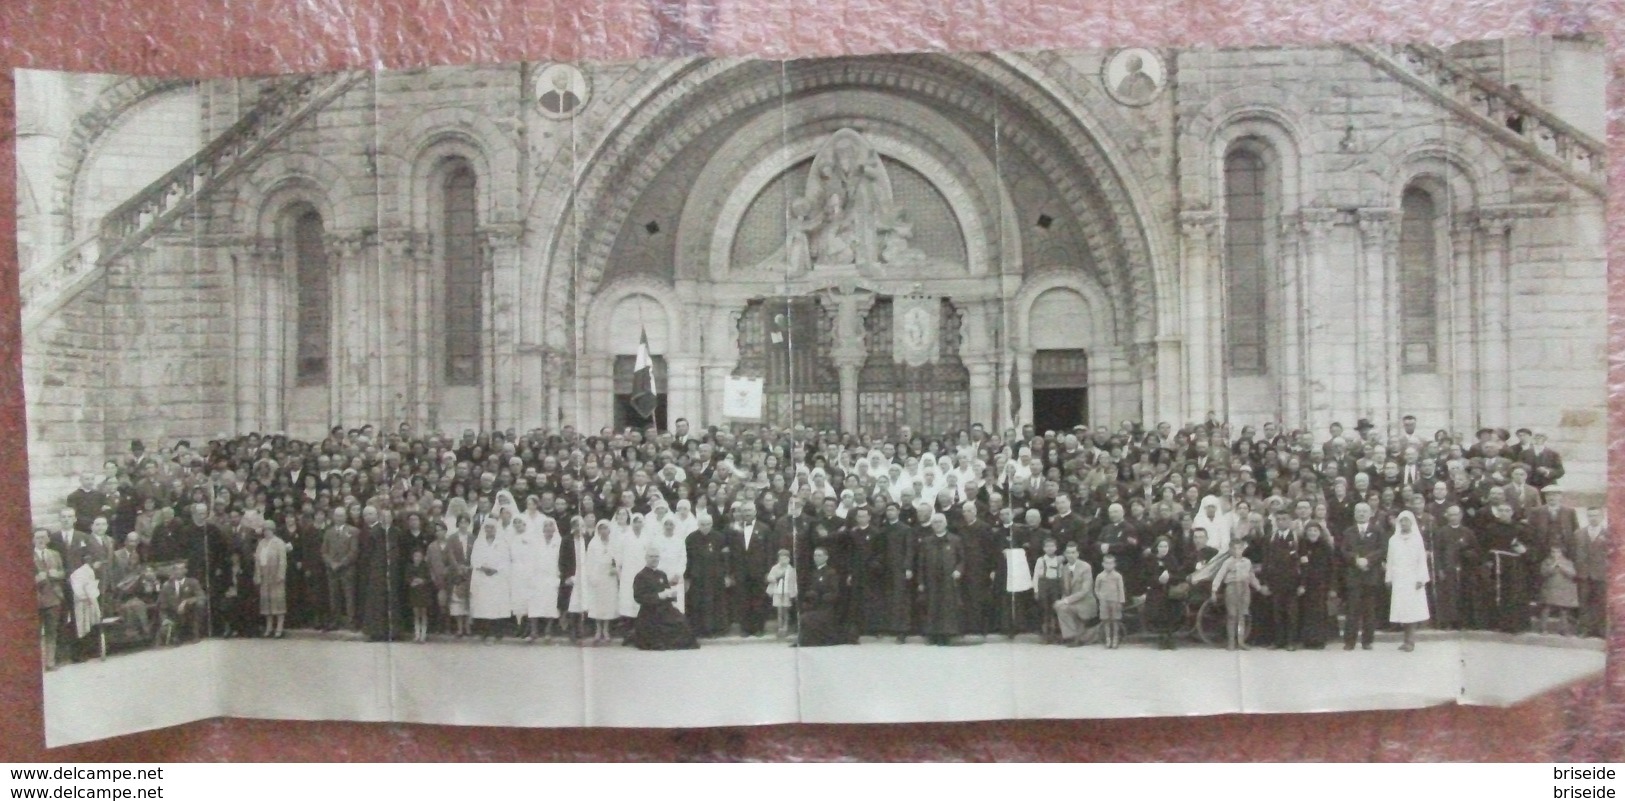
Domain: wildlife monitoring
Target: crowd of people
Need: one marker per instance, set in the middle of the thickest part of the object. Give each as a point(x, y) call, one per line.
point(666, 538)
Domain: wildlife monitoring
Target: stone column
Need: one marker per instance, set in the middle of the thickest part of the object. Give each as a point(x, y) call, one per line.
point(554, 370)
point(849, 353)
point(1288, 325)
point(500, 382)
point(349, 376)
point(1462, 323)
point(408, 381)
point(1200, 229)
point(1024, 377)
point(1314, 407)
point(1170, 383)
point(683, 388)
point(256, 262)
point(981, 359)
point(1377, 231)
point(719, 348)
point(1495, 230)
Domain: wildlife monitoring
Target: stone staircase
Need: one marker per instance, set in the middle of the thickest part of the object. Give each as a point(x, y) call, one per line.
point(282, 108)
point(1505, 115)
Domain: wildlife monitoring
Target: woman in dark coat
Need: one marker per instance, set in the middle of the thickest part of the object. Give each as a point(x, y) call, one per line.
point(1163, 615)
point(1318, 571)
point(819, 603)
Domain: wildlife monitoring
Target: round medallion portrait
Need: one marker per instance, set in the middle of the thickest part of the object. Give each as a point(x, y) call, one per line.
point(1134, 76)
point(562, 90)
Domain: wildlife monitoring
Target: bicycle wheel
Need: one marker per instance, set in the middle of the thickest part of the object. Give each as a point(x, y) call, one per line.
point(1210, 622)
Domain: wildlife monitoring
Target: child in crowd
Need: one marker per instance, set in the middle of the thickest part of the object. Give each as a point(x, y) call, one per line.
point(420, 591)
point(781, 587)
point(1237, 581)
point(1047, 588)
point(1109, 589)
point(1559, 593)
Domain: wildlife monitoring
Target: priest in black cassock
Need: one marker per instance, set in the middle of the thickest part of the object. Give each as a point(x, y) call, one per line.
point(819, 604)
point(1505, 564)
point(659, 626)
point(707, 600)
point(865, 609)
point(897, 552)
point(941, 566)
point(377, 566)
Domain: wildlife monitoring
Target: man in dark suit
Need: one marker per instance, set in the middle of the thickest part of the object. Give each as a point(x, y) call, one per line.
point(794, 532)
point(1590, 553)
point(183, 604)
point(1067, 527)
point(1282, 569)
point(1545, 464)
point(751, 553)
point(1363, 549)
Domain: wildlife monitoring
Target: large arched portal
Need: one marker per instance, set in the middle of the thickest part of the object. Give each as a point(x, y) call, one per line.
point(866, 235)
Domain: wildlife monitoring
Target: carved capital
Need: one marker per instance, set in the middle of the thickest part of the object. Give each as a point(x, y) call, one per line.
point(1317, 221)
point(347, 244)
point(1196, 223)
point(1375, 225)
point(406, 244)
point(501, 238)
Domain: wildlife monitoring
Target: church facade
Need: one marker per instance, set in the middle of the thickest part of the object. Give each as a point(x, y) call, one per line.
point(1300, 235)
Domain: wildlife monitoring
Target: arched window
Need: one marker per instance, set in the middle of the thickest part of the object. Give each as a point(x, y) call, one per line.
point(1245, 246)
point(1418, 280)
point(314, 315)
point(462, 277)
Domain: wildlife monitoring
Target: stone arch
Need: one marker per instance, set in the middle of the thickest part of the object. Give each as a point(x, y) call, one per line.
point(1103, 330)
point(757, 154)
point(599, 316)
point(1119, 234)
point(1467, 174)
point(972, 226)
point(419, 146)
point(1132, 190)
point(309, 176)
point(103, 116)
point(1265, 113)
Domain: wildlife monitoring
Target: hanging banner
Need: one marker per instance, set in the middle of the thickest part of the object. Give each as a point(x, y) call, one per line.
point(915, 322)
point(742, 397)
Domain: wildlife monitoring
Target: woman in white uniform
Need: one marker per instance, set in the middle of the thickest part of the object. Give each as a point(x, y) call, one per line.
point(488, 601)
point(1407, 577)
point(599, 571)
point(631, 552)
point(524, 578)
point(673, 550)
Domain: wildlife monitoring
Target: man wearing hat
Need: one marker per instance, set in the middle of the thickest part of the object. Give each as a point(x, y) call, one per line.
point(1553, 524)
point(1545, 464)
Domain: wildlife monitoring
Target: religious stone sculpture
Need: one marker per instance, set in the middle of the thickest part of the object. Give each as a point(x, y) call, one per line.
point(845, 217)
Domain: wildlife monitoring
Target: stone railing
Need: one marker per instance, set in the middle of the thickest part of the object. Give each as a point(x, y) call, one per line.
point(42, 289)
point(279, 110)
point(1500, 111)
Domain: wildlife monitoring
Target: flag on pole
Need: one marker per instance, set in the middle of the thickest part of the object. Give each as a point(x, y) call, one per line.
point(644, 391)
point(1015, 395)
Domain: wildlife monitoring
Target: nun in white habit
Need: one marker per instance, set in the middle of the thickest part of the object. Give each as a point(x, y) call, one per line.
point(488, 603)
point(631, 550)
point(1212, 518)
point(1407, 576)
point(673, 549)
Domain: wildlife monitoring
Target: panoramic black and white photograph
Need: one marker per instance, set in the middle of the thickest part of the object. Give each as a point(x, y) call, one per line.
point(708, 391)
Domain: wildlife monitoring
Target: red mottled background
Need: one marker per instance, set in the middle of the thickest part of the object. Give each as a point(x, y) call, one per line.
point(220, 37)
